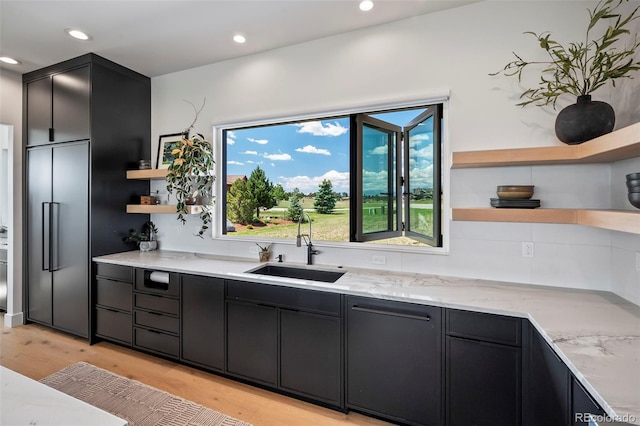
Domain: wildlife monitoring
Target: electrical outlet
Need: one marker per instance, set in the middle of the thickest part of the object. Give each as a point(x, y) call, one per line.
point(638, 261)
point(379, 260)
point(528, 249)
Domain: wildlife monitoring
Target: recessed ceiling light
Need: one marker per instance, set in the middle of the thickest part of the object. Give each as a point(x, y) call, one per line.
point(238, 38)
point(77, 34)
point(8, 60)
point(366, 5)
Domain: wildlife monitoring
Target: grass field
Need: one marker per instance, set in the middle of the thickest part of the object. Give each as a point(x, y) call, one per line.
point(325, 227)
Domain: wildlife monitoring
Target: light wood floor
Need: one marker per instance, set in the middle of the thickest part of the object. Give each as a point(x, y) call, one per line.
point(37, 352)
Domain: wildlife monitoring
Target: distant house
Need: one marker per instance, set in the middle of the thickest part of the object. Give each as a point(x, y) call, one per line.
point(233, 178)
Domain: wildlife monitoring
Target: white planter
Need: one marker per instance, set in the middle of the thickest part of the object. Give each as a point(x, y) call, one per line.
point(148, 245)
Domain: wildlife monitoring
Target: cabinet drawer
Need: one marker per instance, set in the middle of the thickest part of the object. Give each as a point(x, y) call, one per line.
point(114, 294)
point(115, 272)
point(114, 325)
point(157, 321)
point(157, 303)
point(157, 341)
point(485, 327)
point(299, 299)
point(146, 284)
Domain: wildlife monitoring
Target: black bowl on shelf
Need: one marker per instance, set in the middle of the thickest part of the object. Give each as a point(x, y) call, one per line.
point(633, 176)
point(636, 189)
point(634, 199)
point(633, 183)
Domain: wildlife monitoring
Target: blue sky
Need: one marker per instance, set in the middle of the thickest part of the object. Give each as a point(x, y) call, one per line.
point(301, 155)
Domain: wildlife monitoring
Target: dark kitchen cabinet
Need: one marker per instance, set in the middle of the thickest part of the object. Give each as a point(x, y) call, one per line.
point(483, 369)
point(394, 360)
point(583, 404)
point(548, 380)
point(202, 331)
point(252, 342)
point(86, 121)
point(156, 312)
point(286, 338)
point(58, 107)
point(311, 355)
point(114, 303)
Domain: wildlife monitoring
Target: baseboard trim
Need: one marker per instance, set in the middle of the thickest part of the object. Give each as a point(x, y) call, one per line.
point(13, 320)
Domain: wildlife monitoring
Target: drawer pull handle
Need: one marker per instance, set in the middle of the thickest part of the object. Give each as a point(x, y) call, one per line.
point(156, 286)
point(391, 313)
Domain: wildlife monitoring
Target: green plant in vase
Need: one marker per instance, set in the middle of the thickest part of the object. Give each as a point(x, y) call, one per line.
point(145, 239)
point(580, 68)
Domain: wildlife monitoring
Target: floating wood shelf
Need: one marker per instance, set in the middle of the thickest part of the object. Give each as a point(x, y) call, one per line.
point(148, 174)
point(619, 145)
point(160, 208)
point(616, 220)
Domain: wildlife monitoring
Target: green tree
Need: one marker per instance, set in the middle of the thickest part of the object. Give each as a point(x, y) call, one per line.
point(278, 193)
point(295, 208)
point(240, 203)
point(261, 190)
point(325, 198)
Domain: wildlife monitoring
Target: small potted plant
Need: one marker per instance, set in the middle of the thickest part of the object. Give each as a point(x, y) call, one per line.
point(580, 68)
point(265, 252)
point(146, 239)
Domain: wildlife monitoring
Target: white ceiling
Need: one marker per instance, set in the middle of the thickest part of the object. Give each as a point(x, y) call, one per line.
point(156, 37)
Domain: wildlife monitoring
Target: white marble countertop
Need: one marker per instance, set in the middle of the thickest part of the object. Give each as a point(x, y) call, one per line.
point(24, 401)
point(597, 334)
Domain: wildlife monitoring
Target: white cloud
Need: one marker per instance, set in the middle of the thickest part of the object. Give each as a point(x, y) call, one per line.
point(423, 153)
point(250, 152)
point(231, 137)
point(317, 129)
point(380, 150)
point(237, 163)
point(339, 180)
point(278, 157)
point(258, 141)
point(310, 149)
point(418, 139)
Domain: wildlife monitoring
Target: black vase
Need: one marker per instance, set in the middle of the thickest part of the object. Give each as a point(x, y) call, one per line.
point(584, 120)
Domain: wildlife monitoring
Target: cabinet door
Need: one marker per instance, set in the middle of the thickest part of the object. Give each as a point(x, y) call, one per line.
point(548, 401)
point(483, 383)
point(70, 238)
point(310, 355)
point(38, 119)
point(394, 364)
point(39, 277)
point(252, 341)
point(203, 321)
point(583, 405)
point(71, 107)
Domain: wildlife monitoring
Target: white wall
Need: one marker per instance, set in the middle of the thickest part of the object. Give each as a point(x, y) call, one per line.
point(454, 50)
point(11, 114)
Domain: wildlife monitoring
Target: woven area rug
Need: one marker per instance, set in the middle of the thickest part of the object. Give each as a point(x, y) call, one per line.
point(139, 404)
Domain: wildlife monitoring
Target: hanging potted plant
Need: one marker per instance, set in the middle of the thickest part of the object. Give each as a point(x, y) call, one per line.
point(190, 177)
point(580, 69)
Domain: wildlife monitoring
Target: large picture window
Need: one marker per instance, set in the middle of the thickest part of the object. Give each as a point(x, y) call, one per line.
point(368, 177)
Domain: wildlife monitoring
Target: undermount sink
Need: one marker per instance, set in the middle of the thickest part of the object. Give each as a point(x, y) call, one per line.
point(299, 273)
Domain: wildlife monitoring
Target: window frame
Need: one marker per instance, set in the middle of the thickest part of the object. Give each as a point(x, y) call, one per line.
point(440, 96)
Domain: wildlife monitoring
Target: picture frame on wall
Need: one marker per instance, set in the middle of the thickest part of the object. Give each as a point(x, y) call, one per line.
point(166, 144)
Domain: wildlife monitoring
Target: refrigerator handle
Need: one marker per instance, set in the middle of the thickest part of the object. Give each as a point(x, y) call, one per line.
point(46, 235)
point(54, 217)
